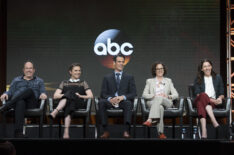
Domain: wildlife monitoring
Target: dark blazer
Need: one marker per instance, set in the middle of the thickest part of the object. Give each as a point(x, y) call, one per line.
point(127, 86)
point(217, 83)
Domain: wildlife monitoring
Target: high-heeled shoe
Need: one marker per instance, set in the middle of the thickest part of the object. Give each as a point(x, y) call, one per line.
point(51, 116)
point(147, 123)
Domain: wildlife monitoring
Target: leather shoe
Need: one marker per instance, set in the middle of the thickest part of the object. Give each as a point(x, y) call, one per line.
point(20, 135)
point(106, 134)
point(162, 136)
point(147, 123)
point(126, 134)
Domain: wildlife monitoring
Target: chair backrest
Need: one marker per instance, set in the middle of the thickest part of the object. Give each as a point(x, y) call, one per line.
point(191, 91)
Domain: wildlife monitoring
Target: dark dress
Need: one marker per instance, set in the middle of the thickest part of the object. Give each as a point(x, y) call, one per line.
point(73, 101)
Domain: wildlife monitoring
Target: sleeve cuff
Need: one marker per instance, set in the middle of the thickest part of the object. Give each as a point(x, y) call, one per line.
point(109, 98)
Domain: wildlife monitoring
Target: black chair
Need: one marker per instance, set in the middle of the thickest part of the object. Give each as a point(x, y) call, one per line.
point(171, 113)
point(116, 112)
point(79, 113)
point(29, 113)
point(222, 111)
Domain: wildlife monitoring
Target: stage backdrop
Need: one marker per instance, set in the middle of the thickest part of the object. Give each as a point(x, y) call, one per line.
point(55, 33)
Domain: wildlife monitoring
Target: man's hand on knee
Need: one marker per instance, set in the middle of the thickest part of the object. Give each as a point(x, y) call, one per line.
point(4, 97)
point(43, 96)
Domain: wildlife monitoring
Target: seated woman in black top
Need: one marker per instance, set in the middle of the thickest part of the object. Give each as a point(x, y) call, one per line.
point(71, 93)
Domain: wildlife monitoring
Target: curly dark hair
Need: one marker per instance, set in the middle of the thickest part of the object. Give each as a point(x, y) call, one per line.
point(74, 65)
point(153, 68)
point(200, 73)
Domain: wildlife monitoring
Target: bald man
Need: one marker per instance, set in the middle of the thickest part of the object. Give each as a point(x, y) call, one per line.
point(24, 93)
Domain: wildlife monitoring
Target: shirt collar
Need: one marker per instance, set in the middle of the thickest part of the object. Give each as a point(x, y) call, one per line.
point(74, 80)
point(120, 73)
point(22, 77)
point(162, 82)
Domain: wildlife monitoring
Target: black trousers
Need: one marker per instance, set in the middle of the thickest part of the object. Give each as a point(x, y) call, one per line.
point(24, 100)
point(127, 112)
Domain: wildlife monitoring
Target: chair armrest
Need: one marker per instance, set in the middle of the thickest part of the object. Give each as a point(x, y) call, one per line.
point(89, 102)
point(143, 104)
point(50, 104)
point(181, 104)
point(96, 100)
point(135, 104)
point(190, 104)
point(3, 102)
point(228, 104)
point(42, 104)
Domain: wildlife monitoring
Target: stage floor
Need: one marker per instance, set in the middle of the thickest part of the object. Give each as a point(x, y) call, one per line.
point(120, 146)
point(140, 145)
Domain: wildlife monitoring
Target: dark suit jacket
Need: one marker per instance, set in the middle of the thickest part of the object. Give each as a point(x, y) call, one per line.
point(217, 83)
point(127, 86)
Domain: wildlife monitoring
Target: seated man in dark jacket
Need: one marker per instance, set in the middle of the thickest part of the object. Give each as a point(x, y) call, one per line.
point(118, 90)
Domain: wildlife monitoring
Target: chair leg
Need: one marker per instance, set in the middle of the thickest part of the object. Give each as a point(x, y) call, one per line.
point(191, 126)
point(86, 126)
point(134, 126)
point(148, 132)
point(40, 126)
point(97, 126)
point(173, 128)
point(181, 124)
point(228, 127)
point(4, 124)
point(51, 127)
point(60, 128)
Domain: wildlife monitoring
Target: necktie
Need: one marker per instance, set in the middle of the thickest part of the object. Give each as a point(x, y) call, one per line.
point(117, 80)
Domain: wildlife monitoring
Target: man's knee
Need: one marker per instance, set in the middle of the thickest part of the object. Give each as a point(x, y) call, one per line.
point(20, 102)
point(128, 104)
point(102, 103)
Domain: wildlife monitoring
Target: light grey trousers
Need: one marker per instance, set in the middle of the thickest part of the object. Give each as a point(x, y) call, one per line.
point(156, 106)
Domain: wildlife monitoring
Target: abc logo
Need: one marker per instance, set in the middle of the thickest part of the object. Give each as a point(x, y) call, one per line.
point(112, 42)
point(113, 48)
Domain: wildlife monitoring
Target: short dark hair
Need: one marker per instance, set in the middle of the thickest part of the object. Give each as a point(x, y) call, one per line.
point(118, 55)
point(27, 62)
point(74, 65)
point(153, 68)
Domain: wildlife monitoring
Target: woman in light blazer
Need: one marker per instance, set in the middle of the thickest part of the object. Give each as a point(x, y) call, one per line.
point(159, 92)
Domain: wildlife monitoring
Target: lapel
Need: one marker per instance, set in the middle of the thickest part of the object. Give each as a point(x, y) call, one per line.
point(165, 85)
point(214, 83)
point(154, 85)
point(203, 85)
